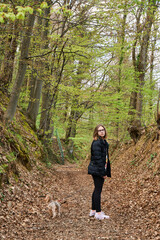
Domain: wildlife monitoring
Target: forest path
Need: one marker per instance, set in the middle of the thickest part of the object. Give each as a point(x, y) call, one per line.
point(25, 214)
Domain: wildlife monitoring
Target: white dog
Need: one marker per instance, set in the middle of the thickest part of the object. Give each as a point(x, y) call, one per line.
point(52, 206)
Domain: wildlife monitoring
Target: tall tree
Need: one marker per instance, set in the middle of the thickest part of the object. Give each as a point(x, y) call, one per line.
point(36, 80)
point(10, 47)
point(140, 61)
point(140, 65)
point(121, 37)
point(61, 51)
point(9, 114)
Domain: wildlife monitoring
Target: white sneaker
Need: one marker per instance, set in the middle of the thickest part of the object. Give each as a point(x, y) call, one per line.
point(101, 216)
point(92, 213)
point(103, 213)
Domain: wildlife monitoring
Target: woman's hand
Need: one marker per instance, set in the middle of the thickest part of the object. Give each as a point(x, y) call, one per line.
point(104, 177)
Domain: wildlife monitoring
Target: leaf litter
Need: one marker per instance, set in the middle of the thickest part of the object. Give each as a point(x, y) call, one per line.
point(130, 198)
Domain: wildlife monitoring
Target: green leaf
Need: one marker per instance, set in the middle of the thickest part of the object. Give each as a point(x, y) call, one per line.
point(43, 5)
point(29, 9)
point(20, 15)
point(39, 11)
point(2, 6)
point(20, 9)
point(1, 19)
point(10, 16)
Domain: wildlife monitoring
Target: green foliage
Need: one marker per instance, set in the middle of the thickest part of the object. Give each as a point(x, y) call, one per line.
point(7, 12)
point(2, 197)
point(150, 163)
point(3, 7)
point(11, 156)
point(10, 16)
point(39, 10)
point(3, 168)
point(86, 64)
point(22, 11)
point(43, 5)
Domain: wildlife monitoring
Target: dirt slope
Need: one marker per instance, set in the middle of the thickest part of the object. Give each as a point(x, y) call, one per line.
point(131, 202)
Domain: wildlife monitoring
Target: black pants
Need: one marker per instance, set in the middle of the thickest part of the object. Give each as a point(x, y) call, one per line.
point(96, 196)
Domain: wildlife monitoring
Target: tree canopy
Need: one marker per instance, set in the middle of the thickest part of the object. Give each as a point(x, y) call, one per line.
point(70, 65)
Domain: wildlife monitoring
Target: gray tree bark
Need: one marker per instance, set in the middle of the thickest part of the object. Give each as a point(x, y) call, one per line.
point(36, 89)
point(152, 84)
point(140, 63)
point(122, 40)
point(9, 55)
point(11, 109)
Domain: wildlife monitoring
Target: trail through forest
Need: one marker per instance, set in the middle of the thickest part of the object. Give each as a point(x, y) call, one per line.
point(131, 205)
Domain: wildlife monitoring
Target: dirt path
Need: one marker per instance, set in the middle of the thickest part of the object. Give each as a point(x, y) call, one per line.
point(24, 214)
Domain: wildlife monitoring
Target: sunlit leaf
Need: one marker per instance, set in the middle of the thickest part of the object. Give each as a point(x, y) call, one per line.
point(1, 19)
point(29, 9)
point(39, 10)
point(10, 16)
point(20, 15)
point(44, 5)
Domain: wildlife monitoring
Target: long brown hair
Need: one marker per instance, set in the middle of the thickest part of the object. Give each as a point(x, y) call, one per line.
point(95, 133)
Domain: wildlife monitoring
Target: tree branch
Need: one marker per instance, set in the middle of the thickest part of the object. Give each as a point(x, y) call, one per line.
point(44, 54)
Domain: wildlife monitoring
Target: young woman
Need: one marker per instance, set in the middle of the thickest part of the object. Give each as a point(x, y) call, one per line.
point(97, 168)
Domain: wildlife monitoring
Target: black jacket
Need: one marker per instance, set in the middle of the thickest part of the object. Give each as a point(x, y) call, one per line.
point(99, 150)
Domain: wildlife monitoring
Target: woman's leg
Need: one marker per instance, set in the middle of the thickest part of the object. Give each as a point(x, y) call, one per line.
point(96, 196)
point(93, 203)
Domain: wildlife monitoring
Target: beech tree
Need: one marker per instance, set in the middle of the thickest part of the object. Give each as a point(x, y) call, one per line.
point(62, 50)
point(36, 80)
point(21, 69)
point(74, 64)
point(140, 63)
point(8, 51)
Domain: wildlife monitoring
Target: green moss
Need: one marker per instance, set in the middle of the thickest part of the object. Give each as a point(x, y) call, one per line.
point(3, 168)
point(11, 156)
point(16, 177)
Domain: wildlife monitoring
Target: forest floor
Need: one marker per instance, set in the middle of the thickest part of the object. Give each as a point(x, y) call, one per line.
point(130, 201)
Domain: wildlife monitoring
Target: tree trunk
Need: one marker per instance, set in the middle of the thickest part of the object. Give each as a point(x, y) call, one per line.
point(9, 55)
point(140, 64)
point(152, 84)
point(44, 107)
point(49, 98)
point(69, 127)
point(158, 110)
point(72, 131)
point(35, 96)
point(122, 40)
point(21, 69)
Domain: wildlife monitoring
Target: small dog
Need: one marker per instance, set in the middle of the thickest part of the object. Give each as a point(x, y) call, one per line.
point(52, 205)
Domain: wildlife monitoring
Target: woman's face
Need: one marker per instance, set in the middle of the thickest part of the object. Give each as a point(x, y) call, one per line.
point(101, 131)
